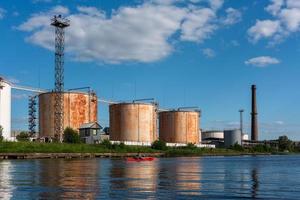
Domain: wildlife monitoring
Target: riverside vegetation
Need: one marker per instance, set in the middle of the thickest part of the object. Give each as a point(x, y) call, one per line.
point(72, 144)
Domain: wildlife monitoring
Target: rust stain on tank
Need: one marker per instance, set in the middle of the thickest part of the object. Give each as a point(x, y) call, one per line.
point(79, 108)
point(179, 126)
point(134, 122)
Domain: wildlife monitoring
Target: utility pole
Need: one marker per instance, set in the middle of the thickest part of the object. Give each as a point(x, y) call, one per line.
point(241, 123)
point(60, 24)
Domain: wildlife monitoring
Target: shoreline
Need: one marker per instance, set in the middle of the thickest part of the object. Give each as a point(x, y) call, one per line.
point(14, 156)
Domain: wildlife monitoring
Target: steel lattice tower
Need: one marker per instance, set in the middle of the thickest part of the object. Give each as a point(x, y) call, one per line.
point(32, 115)
point(60, 24)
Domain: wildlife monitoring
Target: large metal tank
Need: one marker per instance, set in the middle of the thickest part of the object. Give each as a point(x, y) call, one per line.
point(232, 137)
point(135, 122)
point(214, 134)
point(179, 126)
point(79, 108)
point(5, 108)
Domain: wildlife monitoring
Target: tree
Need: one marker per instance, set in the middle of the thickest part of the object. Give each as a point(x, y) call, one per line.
point(1, 133)
point(71, 136)
point(106, 143)
point(191, 146)
point(159, 145)
point(23, 136)
point(284, 144)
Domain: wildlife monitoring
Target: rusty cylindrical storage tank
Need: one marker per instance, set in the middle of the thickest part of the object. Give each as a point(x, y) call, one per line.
point(179, 126)
point(134, 122)
point(79, 108)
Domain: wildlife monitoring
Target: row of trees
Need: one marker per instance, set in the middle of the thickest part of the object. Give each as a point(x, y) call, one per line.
point(72, 136)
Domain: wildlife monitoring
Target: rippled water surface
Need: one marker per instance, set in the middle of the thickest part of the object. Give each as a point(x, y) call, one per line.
point(262, 177)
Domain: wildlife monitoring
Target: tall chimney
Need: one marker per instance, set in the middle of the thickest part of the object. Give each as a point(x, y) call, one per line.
point(254, 128)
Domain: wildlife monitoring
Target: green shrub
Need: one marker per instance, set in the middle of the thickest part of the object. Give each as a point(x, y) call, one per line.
point(1, 132)
point(159, 145)
point(237, 147)
point(71, 136)
point(191, 146)
point(285, 144)
point(122, 145)
point(23, 136)
point(262, 148)
point(107, 144)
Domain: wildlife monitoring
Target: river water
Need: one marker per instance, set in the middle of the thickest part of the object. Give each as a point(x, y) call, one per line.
point(260, 177)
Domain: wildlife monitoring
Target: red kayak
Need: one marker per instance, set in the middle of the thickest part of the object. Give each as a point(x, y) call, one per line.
point(141, 159)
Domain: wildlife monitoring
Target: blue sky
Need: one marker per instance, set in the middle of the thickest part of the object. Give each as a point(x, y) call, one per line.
point(204, 53)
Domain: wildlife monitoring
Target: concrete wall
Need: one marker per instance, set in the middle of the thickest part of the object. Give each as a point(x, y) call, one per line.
point(5, 109)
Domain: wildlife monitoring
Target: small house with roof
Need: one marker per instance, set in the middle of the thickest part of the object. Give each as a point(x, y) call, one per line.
point(90, 133)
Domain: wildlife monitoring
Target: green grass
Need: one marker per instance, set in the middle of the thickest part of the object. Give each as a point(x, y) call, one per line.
point(31, 147)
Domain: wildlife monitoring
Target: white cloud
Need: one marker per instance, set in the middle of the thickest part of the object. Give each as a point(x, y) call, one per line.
point(275, 6)
point(209, 53)
point(291, 19)
point(198, 25)
point(216, 4)
point(91, 11)
point(39, 22)
point(293, 3)
point(279, 122)
point(2, 13)
point(233, 16)
point(262, 61)
point(144, 33)
point(264, 29)
point(285, 21)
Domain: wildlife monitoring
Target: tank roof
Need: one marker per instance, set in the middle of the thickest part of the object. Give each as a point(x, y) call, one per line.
point(2, 79)
point(213, 131)
point(176, 110)
point(135, 103)
point(67, 92)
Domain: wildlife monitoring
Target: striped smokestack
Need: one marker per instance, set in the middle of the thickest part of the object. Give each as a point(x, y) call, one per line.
point(254, 128)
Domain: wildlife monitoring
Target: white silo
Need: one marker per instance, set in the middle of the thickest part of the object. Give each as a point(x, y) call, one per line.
point(5, 108)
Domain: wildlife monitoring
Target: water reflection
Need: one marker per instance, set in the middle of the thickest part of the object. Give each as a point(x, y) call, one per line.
point(137, 179)
point(188, 177)
point(166, 178)
point(69, 179)
point(6, 185)
point(255, 183)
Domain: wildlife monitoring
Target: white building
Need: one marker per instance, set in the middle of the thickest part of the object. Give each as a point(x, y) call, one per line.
point(5, 108)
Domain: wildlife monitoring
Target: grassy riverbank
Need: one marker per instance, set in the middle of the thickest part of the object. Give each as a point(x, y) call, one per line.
point(31, 147)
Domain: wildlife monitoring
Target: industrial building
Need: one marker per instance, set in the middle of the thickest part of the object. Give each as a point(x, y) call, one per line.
point(133, 122)
point(232, 137)
point(5, 108)
point(130, 122)
point(179, 126)
point(212, 135)
point(92, 133)
point(79, 108)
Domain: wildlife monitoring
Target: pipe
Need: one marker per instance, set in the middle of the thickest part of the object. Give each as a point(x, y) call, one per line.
point(29, 89)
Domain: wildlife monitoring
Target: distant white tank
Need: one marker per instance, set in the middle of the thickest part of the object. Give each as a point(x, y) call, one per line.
point(214, 134)
point(5, 108)
point(245, 137)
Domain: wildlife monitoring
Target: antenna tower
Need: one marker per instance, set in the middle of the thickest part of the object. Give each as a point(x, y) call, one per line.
point(60, 24)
